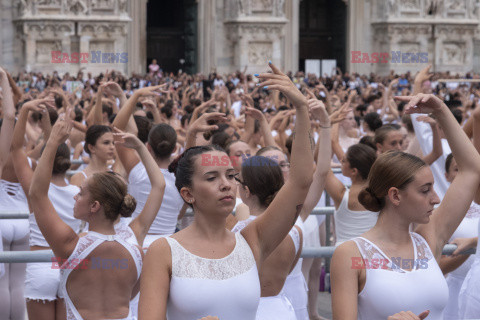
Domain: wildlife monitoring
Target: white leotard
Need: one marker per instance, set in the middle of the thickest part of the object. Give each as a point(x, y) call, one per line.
point(469, 297)
point(389, 289)
point(468, 228)
point(13, 200)
point(350, 224)
point(63, 202)
point(83, 248)
point(139, 187)
point(279, 306)
point(228, 288)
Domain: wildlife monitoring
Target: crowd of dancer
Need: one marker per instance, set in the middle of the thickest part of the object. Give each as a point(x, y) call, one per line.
point(251, 156)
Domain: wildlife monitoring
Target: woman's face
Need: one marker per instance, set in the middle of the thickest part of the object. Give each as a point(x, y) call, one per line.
point(393, 141)
point(346, 169)
point(238, 151)
point(418, 199)
point(213, 183)
point(104, 147)
point(282, 160)
point(349, 122)
point(83, 201)
point(452, 171)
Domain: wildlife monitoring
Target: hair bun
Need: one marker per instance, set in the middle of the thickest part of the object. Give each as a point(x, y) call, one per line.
point(172, 167)
point(128, 206)
point(369, 200)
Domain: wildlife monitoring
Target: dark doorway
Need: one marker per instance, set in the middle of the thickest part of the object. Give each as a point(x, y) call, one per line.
point(323, 27)
point(171, 34)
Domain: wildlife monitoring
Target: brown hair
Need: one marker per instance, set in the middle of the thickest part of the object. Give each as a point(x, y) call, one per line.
point(110, 190)
point(391, 169)
point(382, 132)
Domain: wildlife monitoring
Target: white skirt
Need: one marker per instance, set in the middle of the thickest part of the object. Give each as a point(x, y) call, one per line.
point(469, 298)
point(275, 308)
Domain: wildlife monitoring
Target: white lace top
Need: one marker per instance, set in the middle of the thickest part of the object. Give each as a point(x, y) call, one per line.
point(228, 288)
point(83, 248)
point(390, 289)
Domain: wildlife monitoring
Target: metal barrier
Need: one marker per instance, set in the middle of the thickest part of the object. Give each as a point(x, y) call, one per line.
point(47, 255)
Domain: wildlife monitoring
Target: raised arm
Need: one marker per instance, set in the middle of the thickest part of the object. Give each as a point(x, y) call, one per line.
point(8, 110)
point(459, 196)
point(267, 134)
point(437, 149)
point(202, 125)
point(61, 238)
point(141, 224)
point(95, 115)
point(319, 112)
point(267, 231)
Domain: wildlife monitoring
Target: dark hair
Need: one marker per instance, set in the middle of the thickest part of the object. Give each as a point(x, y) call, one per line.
point(407, 120)
point(361, 157)
point(263, 177)
point(107, 109)
point(184, 165)
point(266, 149)
point(221, 139)
point(368, 141)
point(144, 126)
point(78, 114)
point(373, 121)
point(162, 138)
point(391, 169)
point(110, 190)
point(93, 134)
point(167, 110)
point(61, 163)
point(448, 162)
point(382, 132)
point(185, 118)
point(457, 113)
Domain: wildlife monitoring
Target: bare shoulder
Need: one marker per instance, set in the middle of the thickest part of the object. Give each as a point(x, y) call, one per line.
point(346, 250)
point(159, 255)
point(77, 179)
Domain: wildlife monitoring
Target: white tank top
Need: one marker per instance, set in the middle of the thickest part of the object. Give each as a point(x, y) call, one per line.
point(389, 289)
point(84, 247)
point(350, 224)
point(228, 288)
point(63, 202)
point(468, 228)
point(139, 187)
point(12, 197)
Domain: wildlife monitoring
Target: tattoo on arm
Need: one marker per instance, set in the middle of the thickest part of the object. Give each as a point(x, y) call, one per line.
point(299, 209)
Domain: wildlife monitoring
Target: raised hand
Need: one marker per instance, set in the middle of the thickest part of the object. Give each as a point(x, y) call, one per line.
point(428, 120)
point(279, 81)
point(421, 103)
point(125, 139)
point(463, 244)
point(319, 112)
point(112, 88)
point(152, 90)
point(255, 113)
point(62, 128)
point(203, 123)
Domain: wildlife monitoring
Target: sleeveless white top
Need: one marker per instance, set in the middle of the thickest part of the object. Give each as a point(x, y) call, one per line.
point(139, 187)
point(63, 202)
point(12, 197)
point(84, 247)
point(123, 230)
point(389, 289)
point(227, 288)
point(350, 224)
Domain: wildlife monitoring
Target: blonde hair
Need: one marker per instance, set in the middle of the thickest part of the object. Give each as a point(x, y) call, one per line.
point(110, 190)
point(391, 169)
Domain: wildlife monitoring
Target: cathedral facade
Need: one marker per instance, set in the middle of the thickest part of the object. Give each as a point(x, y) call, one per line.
point(227, 35)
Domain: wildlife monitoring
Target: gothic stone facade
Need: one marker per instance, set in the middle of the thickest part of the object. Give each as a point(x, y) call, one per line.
point(233, 34)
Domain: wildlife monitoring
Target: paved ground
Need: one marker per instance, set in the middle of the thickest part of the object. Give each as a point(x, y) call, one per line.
point(325, 305)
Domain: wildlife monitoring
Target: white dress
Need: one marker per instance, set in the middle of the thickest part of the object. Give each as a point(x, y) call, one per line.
point(276, 307)
point(227, 288)
point(390, 289)
point(469, 298)
point(468, 228)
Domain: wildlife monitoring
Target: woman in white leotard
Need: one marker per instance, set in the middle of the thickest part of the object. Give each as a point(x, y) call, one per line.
point(457, 266)
point(99, 145)
point(13, 233)
point(389, 272)
point(351, 218)
point(162, 139)
point(100, 271)
point(42, 282)
point(205, 269)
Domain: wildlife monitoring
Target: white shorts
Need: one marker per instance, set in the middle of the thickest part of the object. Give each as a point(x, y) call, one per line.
point(14, 229)
point(42, 282)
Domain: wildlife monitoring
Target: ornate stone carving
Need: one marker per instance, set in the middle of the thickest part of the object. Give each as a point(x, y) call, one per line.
point(77, 7)
point(43, 50)
point(453, 53)
point(259, 52)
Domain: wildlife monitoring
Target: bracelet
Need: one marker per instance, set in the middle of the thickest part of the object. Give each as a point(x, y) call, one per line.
point(324, 127)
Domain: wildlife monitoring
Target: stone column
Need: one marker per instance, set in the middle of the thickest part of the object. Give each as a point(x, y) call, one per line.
point(206, 36)
point(292, 34)
point(137, 37)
